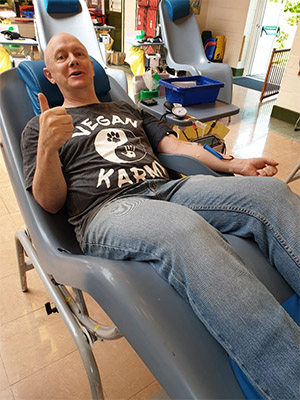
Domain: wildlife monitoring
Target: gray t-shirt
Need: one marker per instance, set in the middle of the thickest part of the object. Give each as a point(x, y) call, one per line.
point(111, 149)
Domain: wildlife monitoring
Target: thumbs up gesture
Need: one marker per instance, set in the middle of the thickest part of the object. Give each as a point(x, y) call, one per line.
point(55, 125)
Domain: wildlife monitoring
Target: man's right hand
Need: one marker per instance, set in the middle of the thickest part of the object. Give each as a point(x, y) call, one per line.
point(49, 186)
point(55, 126)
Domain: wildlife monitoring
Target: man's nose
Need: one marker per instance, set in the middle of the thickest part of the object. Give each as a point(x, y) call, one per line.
point(73, 60)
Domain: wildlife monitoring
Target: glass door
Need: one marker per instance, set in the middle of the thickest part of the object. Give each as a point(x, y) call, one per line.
point(264, 33)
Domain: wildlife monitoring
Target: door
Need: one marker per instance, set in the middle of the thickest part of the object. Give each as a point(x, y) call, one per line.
point(114, 17)
point(265, 30)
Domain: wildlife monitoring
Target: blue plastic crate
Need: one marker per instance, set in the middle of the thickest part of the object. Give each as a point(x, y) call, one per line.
point(206, 90)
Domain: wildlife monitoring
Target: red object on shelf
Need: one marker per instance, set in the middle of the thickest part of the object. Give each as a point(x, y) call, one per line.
point(141, 18)
point(97, 17)
point(153, 3)
point(148, 3)
point(26, 11)
point(150, 22)
point(26, 8)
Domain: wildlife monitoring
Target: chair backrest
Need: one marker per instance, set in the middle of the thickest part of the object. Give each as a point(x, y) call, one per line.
point(32, 74)
point(70, 16)
point(51, 232)
point(16, 111)
point(180, 32)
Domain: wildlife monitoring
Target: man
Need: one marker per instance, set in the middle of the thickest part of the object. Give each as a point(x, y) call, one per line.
point(96, 157)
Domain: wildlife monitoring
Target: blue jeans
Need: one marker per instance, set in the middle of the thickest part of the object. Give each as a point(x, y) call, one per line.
point(175, 227)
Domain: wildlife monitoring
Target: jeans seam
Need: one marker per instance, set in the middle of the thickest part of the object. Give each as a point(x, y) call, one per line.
point(128, 249)
point(221, 339)
point(171, 274)
point(227, 345)
point(107, 246)
point(259, 217)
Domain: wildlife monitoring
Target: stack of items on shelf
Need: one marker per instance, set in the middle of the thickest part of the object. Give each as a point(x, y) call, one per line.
point(214, 47)
point(147, 85)
point(141, 55)
point(147, 17)
point(98, 18)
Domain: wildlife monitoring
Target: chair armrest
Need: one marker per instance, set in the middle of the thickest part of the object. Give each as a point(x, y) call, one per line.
point(186, 165)
point(182, 67)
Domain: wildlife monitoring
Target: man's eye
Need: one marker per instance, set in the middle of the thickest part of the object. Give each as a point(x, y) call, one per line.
point(60, 57)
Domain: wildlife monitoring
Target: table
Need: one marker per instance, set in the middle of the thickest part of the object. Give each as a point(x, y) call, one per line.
point(202, 112)
point(21, 42)
point(136, 43)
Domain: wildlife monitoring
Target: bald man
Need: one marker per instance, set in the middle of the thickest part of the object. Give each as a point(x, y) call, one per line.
point(100, 160)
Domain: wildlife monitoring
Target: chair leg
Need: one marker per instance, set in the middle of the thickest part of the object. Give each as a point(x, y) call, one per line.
point(297, 127)
point(23, 265)
point(293, 175)
point(24, 246)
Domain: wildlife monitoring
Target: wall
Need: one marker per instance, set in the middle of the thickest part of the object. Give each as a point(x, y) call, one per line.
point(248, 32)
point(201, 18)
point(226, 18)
point(234, 19)
point(129, 19)
point(289, 95)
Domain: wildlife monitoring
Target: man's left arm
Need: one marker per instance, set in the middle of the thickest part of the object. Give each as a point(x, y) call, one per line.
point(261, 166)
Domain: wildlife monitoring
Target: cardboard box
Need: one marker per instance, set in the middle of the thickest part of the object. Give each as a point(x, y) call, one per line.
point(117, 58)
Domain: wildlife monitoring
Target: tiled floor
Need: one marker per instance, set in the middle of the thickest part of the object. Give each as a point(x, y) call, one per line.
point(38, 360)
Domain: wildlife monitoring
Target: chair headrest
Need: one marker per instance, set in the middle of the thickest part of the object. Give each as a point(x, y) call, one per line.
point(31, 72)
point(178, 8)
point(61, 6)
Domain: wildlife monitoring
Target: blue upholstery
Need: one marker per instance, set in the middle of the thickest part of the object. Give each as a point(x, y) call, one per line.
point(292, 307)
point(36, 82)
point(178, 8)
point(61, 6)
point(32, 74)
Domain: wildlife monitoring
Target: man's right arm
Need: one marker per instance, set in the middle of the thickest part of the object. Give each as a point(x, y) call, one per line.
point(49, 187)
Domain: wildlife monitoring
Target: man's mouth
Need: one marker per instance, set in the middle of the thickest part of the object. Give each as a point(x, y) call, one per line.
point(76, 73)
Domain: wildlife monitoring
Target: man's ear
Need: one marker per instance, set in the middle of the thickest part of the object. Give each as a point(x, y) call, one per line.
point(93, 67)
point(48, 75)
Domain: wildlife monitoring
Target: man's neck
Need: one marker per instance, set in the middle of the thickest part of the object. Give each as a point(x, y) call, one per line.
point(79, 98)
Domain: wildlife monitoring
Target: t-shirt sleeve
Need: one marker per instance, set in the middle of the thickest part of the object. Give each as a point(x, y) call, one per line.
point(29, 143)
point(155, 129)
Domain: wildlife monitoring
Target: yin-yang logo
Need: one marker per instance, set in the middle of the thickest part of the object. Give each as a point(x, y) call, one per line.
point(119, 146)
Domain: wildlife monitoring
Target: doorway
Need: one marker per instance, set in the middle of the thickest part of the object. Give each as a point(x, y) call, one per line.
point(114, 11)
point(269, 22)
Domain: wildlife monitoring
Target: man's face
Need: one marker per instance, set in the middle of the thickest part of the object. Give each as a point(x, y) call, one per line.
point(67, 63)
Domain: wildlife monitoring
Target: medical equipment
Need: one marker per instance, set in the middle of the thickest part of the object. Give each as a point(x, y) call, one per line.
point(176, 109)
point(149, 102)
point(216, 153)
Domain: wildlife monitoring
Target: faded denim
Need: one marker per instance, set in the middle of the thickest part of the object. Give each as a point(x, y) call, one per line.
point(175, 227)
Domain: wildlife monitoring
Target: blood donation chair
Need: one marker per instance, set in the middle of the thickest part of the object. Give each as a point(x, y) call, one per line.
point(162, 328)
point(71, 16)
point(183, 43)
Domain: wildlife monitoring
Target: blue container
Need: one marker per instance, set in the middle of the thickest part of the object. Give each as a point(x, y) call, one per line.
point(28, 14)
point(204, 90)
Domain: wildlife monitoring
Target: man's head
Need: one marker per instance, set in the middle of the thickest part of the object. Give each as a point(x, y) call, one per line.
point(69, 66)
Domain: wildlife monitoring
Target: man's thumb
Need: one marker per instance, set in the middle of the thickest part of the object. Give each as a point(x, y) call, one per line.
point(43, 102)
